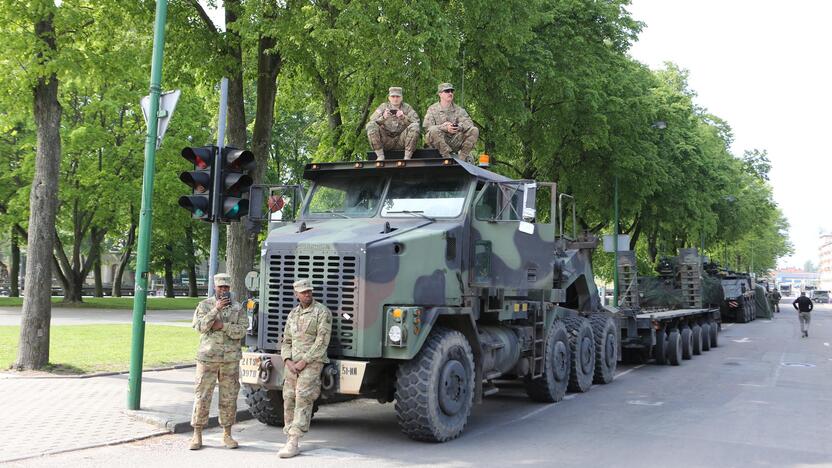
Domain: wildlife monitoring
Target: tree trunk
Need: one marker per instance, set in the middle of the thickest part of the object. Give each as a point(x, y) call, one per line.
point(125, 256)
point(189, 239)
point(74, 289)
point(96, 270)
point(169, 274)
point(241, 247)
point(33, 348)
point(14, 267)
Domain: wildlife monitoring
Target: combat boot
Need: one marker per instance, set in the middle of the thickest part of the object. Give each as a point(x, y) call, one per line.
point(196, 441)
point(380, 155)
point(227, 440)
point(290, 449)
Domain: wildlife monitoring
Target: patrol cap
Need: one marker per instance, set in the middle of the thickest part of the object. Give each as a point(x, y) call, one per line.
point(445, 87)
point(302, 285)
point(222, 279)
point(394, 91)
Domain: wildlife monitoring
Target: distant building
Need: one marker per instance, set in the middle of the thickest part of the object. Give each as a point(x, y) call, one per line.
point(797, 278)
point(825, 265)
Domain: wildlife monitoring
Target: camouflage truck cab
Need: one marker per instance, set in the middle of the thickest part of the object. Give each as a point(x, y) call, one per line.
point(442, 277)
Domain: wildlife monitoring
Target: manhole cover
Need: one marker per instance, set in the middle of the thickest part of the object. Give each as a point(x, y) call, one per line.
point(797, 364)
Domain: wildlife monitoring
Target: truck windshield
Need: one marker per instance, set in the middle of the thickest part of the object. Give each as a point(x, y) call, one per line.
point(344, 196)
point(427, 195)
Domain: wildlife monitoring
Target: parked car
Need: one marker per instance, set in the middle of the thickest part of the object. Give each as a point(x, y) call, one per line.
point(820, 297)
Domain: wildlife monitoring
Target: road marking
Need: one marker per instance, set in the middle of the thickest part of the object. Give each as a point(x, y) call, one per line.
point(744, 340)
point(727, 325)
point(826, 344)
point(759, 402)
point(645, 403)
point(621, 374)
point(570, 396)
point(751, 385)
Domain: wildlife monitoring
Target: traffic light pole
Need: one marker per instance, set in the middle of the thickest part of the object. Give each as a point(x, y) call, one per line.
point(213, 261)
point(140, 298)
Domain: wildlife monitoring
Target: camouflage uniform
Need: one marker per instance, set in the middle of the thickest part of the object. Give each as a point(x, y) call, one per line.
point(218, 359)
point(394, 133)
point(305, 338)
point(435, 137)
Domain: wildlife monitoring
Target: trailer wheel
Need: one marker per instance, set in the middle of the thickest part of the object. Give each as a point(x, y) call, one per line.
point(582, 347)
point(556, 367)
point(714, 334)
point(660, 350)
point(687, 343)
point(696, 336)
point(606, 348)
point(742, 314)
point(706, 337)
point(753, 311)
point(265, 405)
point(674, 348)
point(435, 390)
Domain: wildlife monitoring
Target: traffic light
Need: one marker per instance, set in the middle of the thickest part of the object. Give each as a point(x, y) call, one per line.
point(235, 182)
point(200, 203)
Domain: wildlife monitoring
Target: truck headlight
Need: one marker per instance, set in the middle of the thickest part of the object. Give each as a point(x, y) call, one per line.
point(395, 334)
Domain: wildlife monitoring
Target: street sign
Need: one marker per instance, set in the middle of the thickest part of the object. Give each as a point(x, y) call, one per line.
point(167, 102)
point(623, 243)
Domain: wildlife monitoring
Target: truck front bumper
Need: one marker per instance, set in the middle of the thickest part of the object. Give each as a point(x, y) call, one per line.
point(341, 376)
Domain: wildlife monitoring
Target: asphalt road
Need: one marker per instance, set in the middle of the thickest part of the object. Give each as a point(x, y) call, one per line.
point(762, 398)
point(80, 316)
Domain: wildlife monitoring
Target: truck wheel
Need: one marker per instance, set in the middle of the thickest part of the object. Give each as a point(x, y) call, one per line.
point(674, 348)
point(742, 315)
point(556, 366)
point(687, 343)
point(706, 337)
point(714, 334)
point(582, 350)
point(265, 405)
point(696, 337)
point(660, 350)
point(606, 348)
point(435, 390)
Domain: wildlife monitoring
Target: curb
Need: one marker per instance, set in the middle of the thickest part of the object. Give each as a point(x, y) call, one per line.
point(177, 425)
point(75, 449)
point(11, 375)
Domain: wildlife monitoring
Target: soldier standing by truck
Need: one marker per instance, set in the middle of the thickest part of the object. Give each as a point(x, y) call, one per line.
point(305, 339)
point(448, 127)
point(804, 307)
point(393, 126)
point(775, 300)
point(221, 323)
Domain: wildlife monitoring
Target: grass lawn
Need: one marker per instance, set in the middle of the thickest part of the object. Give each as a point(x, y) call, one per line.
point(153, 303)
point(80, 349)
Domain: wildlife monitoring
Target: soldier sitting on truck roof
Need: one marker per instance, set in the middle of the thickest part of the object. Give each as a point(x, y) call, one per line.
point(393, 126)
point(448, 127)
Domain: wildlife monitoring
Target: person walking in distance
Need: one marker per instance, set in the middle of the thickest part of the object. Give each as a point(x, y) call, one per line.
point(305, 339)
point(775, 300)
point(221, 323)
point(804, 308)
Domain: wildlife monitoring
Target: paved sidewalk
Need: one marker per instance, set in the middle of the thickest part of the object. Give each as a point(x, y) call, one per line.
point(53, 415)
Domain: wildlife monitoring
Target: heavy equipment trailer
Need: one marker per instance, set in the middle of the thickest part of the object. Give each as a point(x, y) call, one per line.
point(676, 331)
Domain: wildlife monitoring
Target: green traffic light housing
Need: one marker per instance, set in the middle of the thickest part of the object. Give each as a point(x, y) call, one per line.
point(202, 158)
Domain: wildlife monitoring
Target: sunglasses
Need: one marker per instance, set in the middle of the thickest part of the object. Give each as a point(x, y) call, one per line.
point(449, 91)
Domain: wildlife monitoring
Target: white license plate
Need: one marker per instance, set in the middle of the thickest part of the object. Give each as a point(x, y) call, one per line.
point(250, 368)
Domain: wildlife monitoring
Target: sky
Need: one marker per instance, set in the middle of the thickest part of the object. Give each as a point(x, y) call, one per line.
point(764, 67)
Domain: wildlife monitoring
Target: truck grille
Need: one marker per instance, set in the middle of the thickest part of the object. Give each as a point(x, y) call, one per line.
point(334, 279)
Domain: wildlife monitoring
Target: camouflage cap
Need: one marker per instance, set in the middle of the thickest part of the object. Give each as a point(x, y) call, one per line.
point(222, 279)
point(302, 285)
point(444, 87)
point(394, 91)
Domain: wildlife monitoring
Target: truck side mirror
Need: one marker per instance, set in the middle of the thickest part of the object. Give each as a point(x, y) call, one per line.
point(529, 199)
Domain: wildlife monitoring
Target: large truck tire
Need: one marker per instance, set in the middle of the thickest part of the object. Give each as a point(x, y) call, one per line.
point(582, 348)
point(714, 334)
point(706, 337)
point(660, 350)
point(435, 390)
point(674, 348)
point(606, 348)
point(687, 343)
point(265, 405)
point(557, 364)
point(697, 338)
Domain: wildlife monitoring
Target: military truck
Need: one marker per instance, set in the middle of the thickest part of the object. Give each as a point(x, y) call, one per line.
point(665, 317)
point(739, 305)
point(444, 280)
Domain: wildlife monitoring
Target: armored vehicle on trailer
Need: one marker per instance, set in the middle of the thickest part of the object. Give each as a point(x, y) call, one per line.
point(738, 290)
point(444, 280)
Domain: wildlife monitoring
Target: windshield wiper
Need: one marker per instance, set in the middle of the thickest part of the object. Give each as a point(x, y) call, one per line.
point(337, 213)
point(414, 213)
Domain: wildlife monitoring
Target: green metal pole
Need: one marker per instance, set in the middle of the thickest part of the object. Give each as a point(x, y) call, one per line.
point(134, 393)
point(615, 244)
